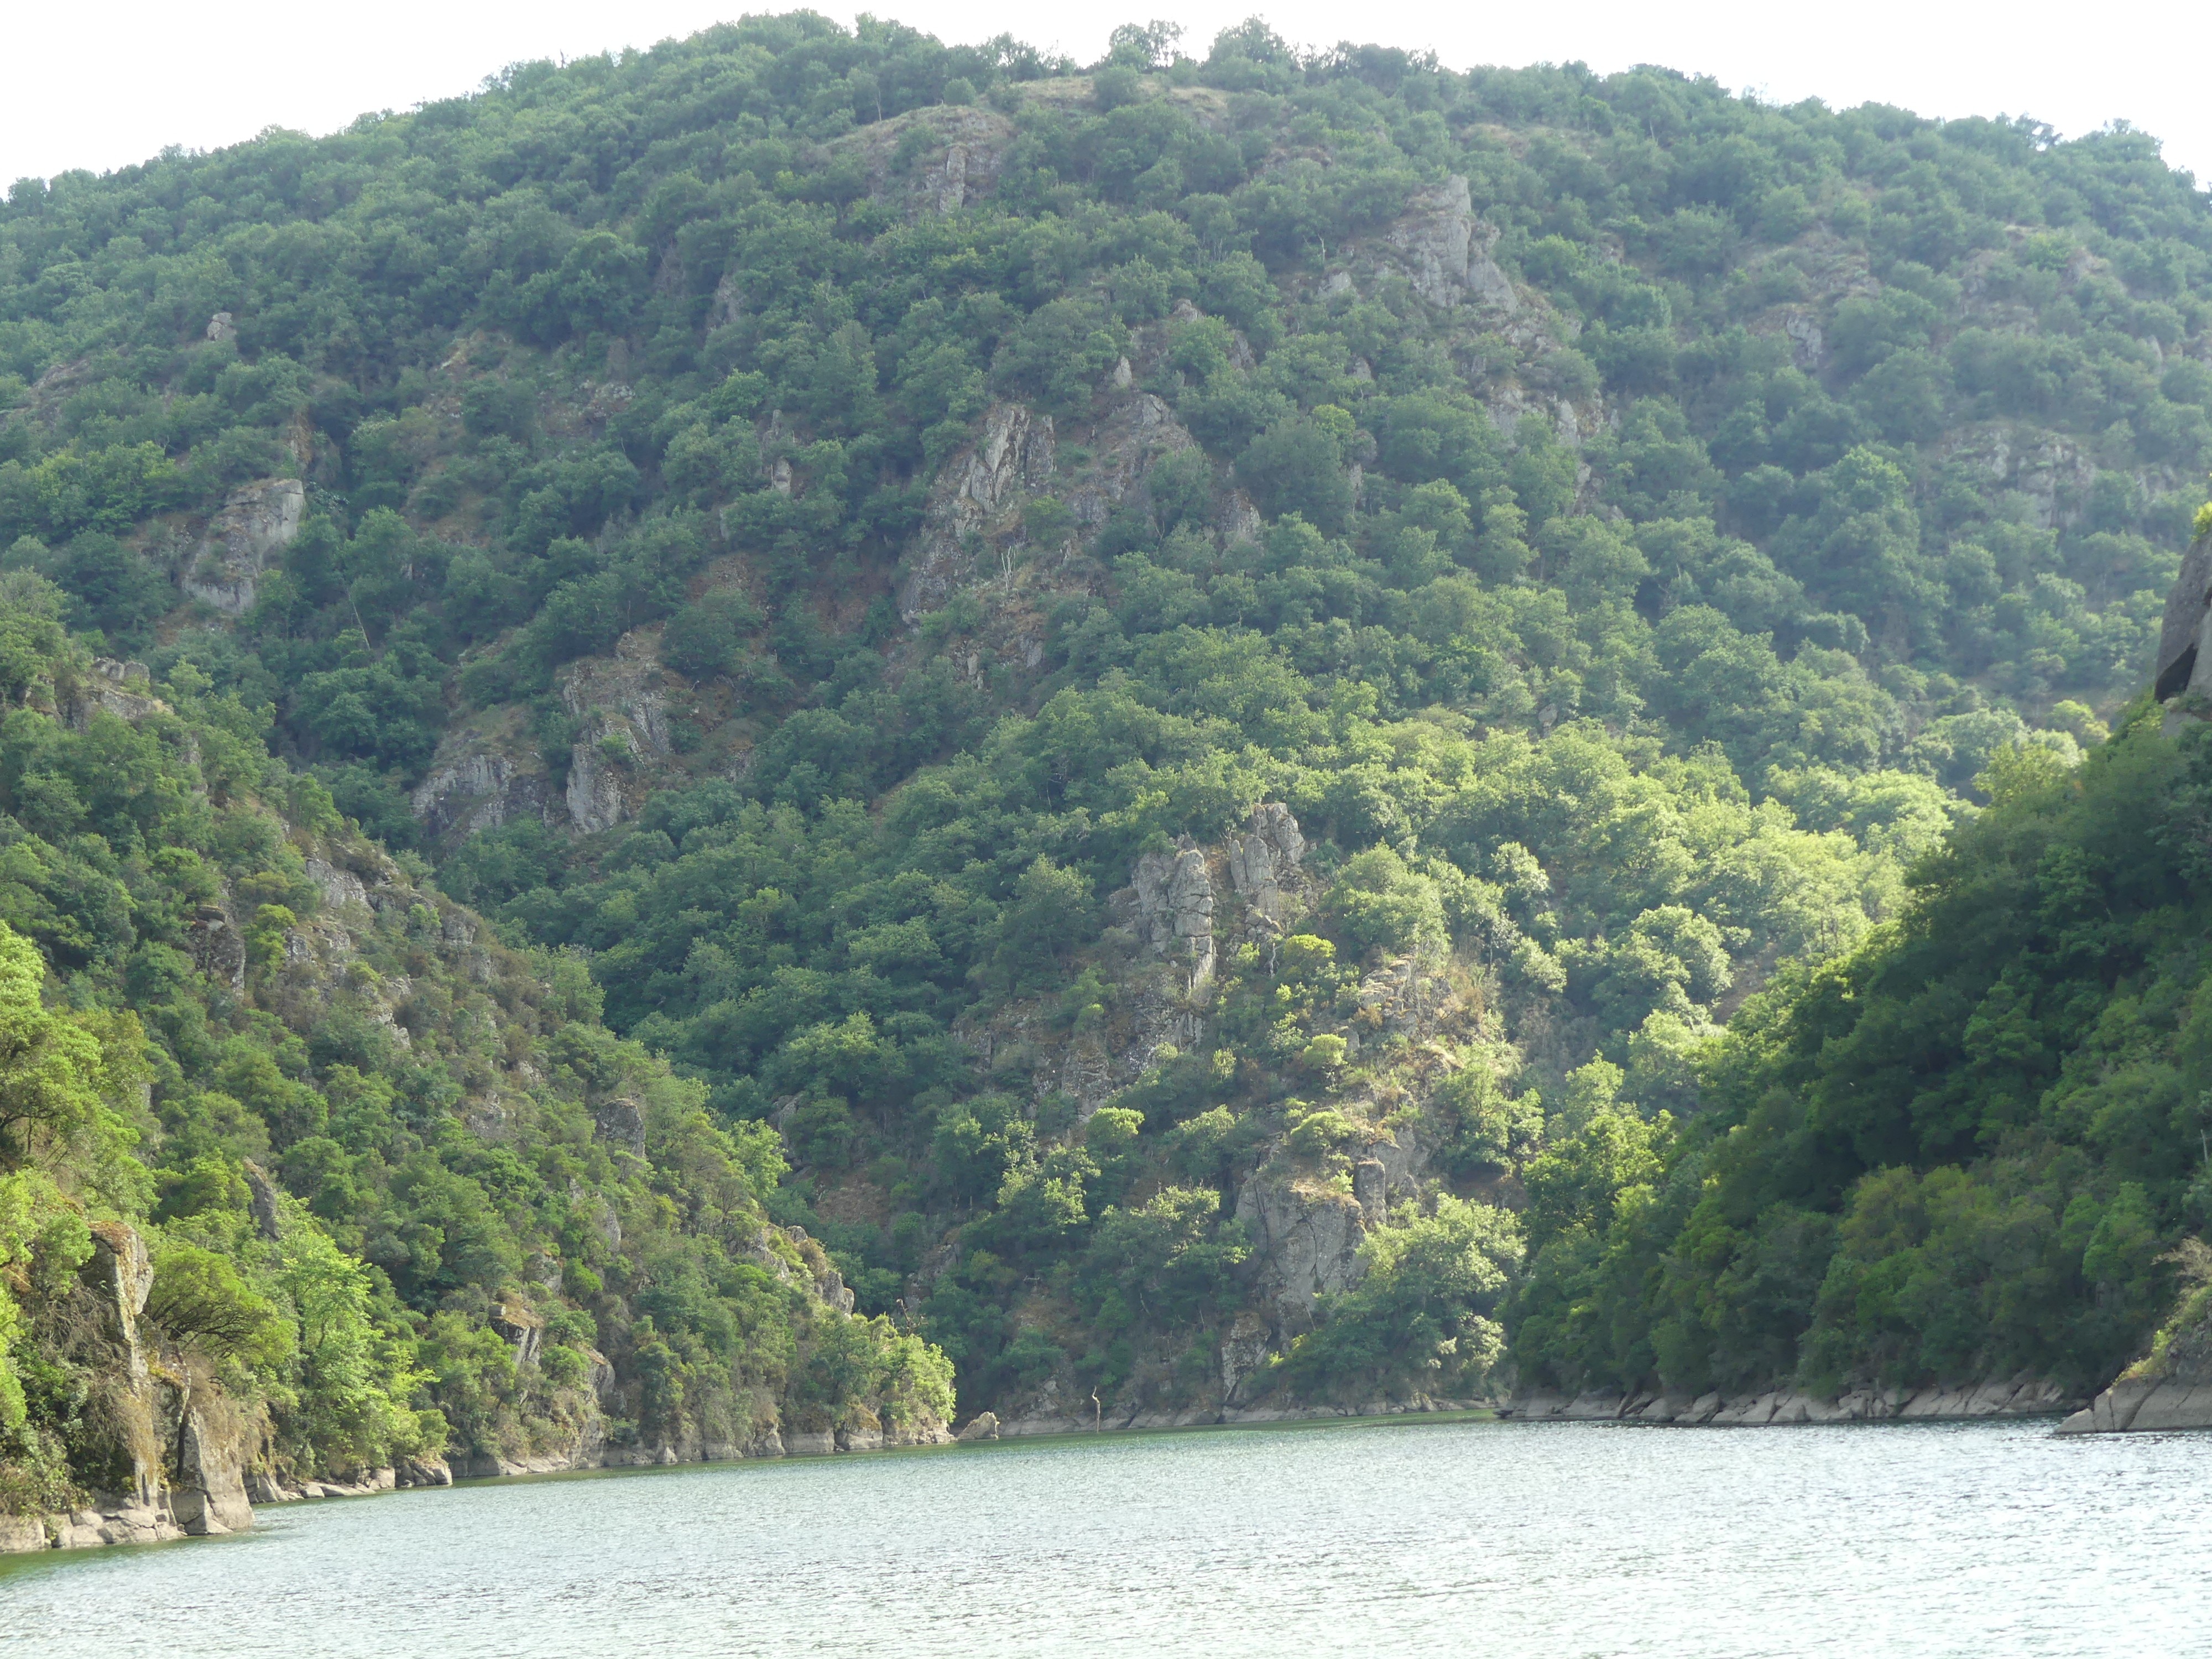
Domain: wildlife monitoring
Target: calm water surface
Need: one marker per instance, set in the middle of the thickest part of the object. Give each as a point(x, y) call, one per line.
point(1456, 1537)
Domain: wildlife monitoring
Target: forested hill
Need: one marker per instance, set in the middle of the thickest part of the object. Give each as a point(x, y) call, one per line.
point(1204, 680)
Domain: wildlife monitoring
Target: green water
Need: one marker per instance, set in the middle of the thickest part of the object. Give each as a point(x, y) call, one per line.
point(1421, 1537)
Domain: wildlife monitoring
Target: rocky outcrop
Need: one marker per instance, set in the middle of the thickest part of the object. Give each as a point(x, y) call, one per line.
point(2182, 642)
point(621, 712)
point(1305, 1239)
point(259, 521)
point(1168, 913)
point(933, 160)
point(1174, 910)
point(410, 1472)
point(213, 1445)
point(1306, 1228)
point(2169, 1388)
point(124, 690)
point(339, 887)
point(1263, 860)
point(1244, 1355)
point(175, 1444)
point(1135, 429)
point(2052, 474)
point(1050, 1420)
point(974, 494)
point(1443, 250)
point(480, 779)
point(2022, 1396)
point(2142, 1404)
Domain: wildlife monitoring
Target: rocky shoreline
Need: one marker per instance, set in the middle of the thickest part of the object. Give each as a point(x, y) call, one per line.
point(2170, 1387)
point(2024, 1396)
point(2142, 1404)
point(128, 1520)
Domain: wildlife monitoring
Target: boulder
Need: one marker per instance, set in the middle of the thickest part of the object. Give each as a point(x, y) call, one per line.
point(1594, 1407)
point(2142, 1404)
point(984, 1425)
point(424, 1471)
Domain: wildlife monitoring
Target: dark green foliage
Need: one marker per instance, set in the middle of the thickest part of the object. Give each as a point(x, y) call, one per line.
point(1960, 1151)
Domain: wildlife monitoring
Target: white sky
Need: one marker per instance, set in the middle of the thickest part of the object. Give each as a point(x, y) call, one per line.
point(102, 85)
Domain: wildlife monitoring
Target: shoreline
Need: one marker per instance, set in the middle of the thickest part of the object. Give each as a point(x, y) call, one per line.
point(2021, 1400)
point(2018, 1397)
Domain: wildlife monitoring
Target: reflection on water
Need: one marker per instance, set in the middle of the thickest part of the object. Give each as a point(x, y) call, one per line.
point(1422, 1536)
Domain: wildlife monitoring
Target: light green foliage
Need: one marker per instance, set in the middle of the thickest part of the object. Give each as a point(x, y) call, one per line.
point(356, 1374)
point(38, 1231)
point(1424, 1317)
point(63, 1078)
point(1482, 1126)
point(1576, 1182)
point(1378, 904)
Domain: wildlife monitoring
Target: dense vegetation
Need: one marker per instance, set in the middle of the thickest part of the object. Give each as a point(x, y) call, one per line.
point(1962, 1150)
point(1620, 632)
point(469, 1152)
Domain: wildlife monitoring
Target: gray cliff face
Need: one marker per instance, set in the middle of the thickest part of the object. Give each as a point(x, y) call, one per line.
point(588, 1415)
point(489, 772)
point(1443, 250)
point(973, 498)
point(124, 690)
point(1305, 1220)
point(478, 782)
point(622, 715)
point(962, 149)
point(1305, 1238)
point(177, 1444)
point(257, 522)
point(1175, 911)
point(1264, 860)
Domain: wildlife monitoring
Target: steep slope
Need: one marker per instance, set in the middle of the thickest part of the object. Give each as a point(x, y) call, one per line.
point(1971, 1148)
point(305, 1176)
point(1201, 683)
